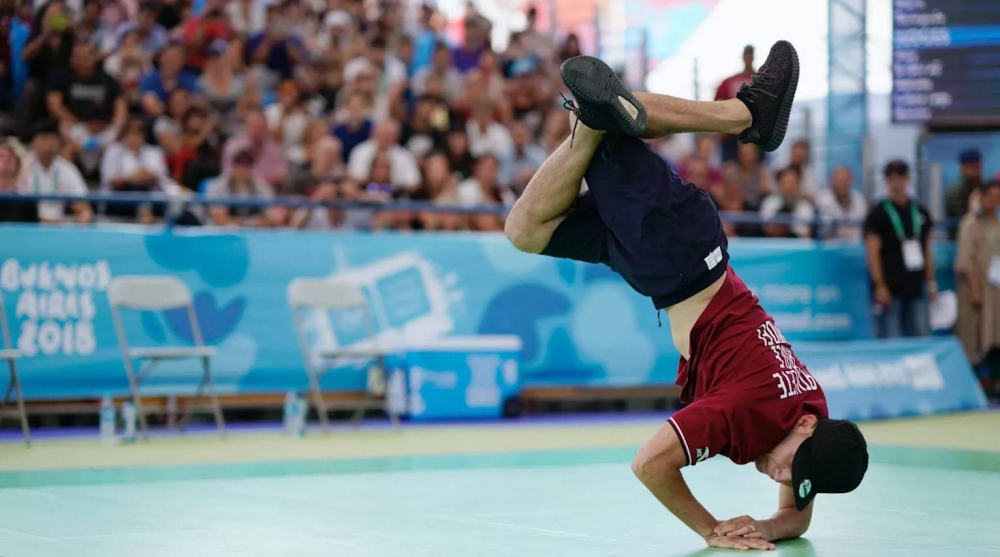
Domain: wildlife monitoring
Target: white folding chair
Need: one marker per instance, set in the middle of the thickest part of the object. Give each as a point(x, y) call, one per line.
point(10, 355)
point(158, 293)
point(329, 295)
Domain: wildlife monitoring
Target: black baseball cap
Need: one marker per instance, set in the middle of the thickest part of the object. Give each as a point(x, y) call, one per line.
point(897, 167)
point(833, 460)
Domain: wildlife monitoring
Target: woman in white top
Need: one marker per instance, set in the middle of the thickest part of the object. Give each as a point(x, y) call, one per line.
point(789, 202)
point(132, 165)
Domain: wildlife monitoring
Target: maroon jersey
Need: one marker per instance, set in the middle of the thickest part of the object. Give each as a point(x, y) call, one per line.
point(743, 386)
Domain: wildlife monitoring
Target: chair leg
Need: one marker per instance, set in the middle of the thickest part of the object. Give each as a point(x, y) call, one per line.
point(133, 386)
point(220, 422)
point(15, 381)
point(317, 396)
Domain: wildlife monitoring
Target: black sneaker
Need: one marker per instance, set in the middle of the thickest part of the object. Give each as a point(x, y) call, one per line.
point(603, 103)
point(769, 97)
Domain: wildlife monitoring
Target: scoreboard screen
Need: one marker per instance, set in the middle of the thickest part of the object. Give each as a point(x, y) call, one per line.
point(946, 62)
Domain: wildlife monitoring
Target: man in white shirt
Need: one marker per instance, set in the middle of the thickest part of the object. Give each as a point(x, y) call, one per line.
point(486, 135)
point(405, 173)
point(788, 202)
point(48, 173)
point(842, 209)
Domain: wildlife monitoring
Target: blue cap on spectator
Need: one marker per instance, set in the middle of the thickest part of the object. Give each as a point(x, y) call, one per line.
point(970, 156)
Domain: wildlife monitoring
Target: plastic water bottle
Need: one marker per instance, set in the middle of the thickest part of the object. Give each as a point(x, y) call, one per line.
point(294, 416)
point(129, 419)
point(107, 421)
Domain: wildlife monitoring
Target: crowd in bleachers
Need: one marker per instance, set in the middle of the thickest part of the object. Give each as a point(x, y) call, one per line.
point(331, 100)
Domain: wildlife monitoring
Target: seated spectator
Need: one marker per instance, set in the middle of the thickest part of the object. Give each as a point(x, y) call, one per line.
point(706, 150)
point(277, 47)
point(10, 170)
point(403, 165)
point(528, 100)
point(87, 142)
point(127, 65)
point(483, 189)
point(442, 67)
point(841, 208)
point(198, 149)
point(48, 173)
point(270, 164)
point(554, 131)
point(357, 126)
point(75, 93)
point(94, 30)
point(222, 87)
point(324, 164)
point(461, 160)
point(391, 71)
point(486, 135)
point(731, 197)
point(753, 172)
point(788, 202)
point(168, 128)
point(152, 36)
point(7, 59)
point(698, 174)
point(288, 118)
point(155, 87)
point(132, 165)
point(240, 183)
point(526, 160)
point(570, 48)
point(48, 50)
point(425, 131)
point(204, 29)
point(801, 158)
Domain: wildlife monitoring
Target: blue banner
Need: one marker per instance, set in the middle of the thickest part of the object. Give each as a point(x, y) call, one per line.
point(580, 324)
point(870, 380)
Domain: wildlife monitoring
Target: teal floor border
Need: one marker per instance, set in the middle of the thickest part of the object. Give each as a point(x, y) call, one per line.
point(891, 456)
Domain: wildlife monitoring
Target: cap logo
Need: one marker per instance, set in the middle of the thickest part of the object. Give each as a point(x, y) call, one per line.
point(805, 486)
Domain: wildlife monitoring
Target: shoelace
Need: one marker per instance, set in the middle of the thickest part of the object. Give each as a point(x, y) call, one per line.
point(571, 106)
point(760, 79)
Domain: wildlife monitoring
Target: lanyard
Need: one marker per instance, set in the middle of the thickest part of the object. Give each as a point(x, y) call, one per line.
point(37, 179)
point(890, 209)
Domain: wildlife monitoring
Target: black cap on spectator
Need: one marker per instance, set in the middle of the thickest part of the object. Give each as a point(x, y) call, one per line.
point(897, 167)
point(970, 156)
point(46, 127)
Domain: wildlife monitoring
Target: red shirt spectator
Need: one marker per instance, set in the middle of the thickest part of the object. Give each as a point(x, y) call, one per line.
point(731, 85)
point(200, 32)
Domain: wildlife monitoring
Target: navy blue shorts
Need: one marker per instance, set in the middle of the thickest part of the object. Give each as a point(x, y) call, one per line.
point(661, 234)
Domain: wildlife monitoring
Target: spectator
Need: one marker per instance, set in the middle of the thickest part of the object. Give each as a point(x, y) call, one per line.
point(977, 270)
point(288, 118)
point(87, 142)
point(245, 16)
point(222, 87)
point(466, 56)
point(442, 66)
point(727, 90)
point(459, 156)
point(155, 87)
point(168, 129)
point(323, 161)
point(132, 165)
point(425, 131)
point(483, 187)
point(269, 162)
point(277, 47)
point(801, 158)
point(841, 208)
point(95, 31)
point(732, 197)
point(486, 135)
point(48, 50)
point(127, 65)
point(753, 172)
point(10, 170)
point(240, 182)
point(357, 127)
point(570, 48)
point(425, 39)
point(152, 36)
point(403, 165)
point(897, 233)
point(203, 30)
point(789, 202)
point(388, 68)
point(554, 131)
point(76, 92)
point(48, 173)
point(6, 56)
point(536, 41)
point(526, 160)
point(962, 196)
point(699, 175)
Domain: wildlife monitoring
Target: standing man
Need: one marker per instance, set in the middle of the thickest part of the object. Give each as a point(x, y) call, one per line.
point(727, 91)
point(900, 262)
point(748, 397)
point(957, 203)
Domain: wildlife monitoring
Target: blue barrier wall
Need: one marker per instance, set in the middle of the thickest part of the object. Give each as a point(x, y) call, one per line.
point(581, 325)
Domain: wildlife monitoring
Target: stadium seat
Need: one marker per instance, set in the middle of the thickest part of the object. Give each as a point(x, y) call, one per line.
point(316, 294)
point(10, 355)
point(159, 293)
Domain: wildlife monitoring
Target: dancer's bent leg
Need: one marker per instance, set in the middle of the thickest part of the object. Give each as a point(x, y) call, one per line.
point(668, 114)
